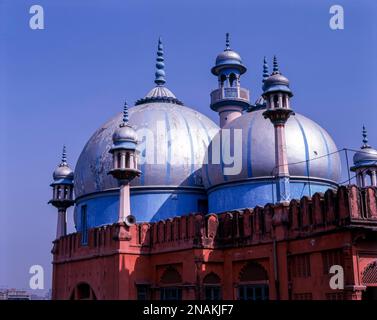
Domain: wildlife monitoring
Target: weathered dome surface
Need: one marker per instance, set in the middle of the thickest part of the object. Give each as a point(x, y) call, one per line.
point(181, 138)
point(305, 140)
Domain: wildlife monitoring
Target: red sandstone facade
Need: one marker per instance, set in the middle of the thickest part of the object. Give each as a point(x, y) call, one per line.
point(275, 252)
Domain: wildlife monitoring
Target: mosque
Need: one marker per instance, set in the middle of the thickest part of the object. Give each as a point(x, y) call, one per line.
point(169, 205)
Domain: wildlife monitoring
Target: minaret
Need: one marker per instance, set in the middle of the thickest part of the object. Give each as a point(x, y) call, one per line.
point(229, 100)
point(62, 197)
point(277, 94)
point(124, 165)
point(365, 164)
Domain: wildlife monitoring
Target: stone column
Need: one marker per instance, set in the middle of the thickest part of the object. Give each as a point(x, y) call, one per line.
point(373, 178)
point(280, 100)
point(287, 101)
point(123, 160)
point(364, 179)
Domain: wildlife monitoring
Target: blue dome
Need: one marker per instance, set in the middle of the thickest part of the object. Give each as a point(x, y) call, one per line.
point(228, 59)
point(172, 186)
point(253, 185)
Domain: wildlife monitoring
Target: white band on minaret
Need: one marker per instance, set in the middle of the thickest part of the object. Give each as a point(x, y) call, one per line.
point(124, 202)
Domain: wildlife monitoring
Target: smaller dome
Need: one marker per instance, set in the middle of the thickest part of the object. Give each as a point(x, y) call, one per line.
point(365, 156)
point(124, 133)
point(276, 79)
point(63, 171)
point(228, 57)
point(276, 82)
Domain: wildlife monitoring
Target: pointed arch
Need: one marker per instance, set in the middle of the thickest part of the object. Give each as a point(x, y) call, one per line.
point(253, 271)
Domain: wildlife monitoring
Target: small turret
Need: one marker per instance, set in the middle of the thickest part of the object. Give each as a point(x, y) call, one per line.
point(277, 93)
point(124, 168)
point(62, 196)
point(365, 164)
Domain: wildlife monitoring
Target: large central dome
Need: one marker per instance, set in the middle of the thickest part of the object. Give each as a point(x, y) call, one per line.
point(173, 141)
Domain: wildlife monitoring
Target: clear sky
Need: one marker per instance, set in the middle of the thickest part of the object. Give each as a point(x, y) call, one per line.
point(58, 85)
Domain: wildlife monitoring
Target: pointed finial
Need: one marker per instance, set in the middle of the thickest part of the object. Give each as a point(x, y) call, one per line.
point(265, 70)
point(275, 66)
point(365, 139)
point(160, 66)
point(227, 41)
point(64, 156)
point(125, 114)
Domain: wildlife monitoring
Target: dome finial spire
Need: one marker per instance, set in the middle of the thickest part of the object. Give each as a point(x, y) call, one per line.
point(160, 65)
point(125, 114)
point(265, 70)
point(227, 41)
point(64, 156)
point(365, 139)
point(275, 66)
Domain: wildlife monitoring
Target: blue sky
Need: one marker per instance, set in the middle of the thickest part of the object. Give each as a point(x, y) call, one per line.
point(58, 85)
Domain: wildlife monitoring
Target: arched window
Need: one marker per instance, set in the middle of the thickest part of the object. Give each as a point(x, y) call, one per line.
point(83, 291)
point(212, 286)
point(253, 282)
point(370, 274)
point(170, 282)
point(369, 279)
point(232, 80)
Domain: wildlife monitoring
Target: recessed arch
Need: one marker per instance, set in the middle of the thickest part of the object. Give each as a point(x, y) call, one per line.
point(171, 276)
point(83, 291)
point(212, 279)
point(253, 271)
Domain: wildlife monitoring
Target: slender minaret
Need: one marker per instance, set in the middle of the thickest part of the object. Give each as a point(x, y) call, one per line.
point(277, 94)
point(124, 165)
point(62, 196)
point(365, 164)
point(229, 100)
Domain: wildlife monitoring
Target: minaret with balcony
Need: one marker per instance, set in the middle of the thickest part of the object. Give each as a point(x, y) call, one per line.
point(230, 100)
point(277, 94)
point(62, 193)
point(125, 162)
